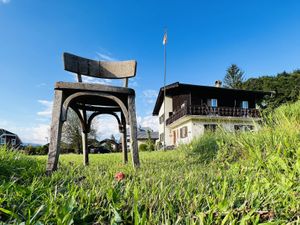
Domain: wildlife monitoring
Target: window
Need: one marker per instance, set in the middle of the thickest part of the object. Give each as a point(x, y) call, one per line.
point(245, 104)
point(161, 137)
point(210, 127)
point(183, 132)
point(161, 118)
point(214, 102)
point(13, 141)
point(2, 141)
point(243, 127)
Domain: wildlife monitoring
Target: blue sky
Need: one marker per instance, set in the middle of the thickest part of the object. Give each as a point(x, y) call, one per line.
point(204, 38)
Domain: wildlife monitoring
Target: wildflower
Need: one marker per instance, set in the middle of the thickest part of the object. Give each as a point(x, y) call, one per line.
point(119, 176)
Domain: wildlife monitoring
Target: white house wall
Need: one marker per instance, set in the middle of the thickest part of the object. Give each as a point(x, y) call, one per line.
point(196, 129)
point(169, 108)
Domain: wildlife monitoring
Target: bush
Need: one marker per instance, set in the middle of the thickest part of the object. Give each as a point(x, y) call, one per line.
point(143, 147)
point(203, 148)
point(36, 150)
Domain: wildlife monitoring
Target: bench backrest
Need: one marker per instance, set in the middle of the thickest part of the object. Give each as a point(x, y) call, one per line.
point(100, 69)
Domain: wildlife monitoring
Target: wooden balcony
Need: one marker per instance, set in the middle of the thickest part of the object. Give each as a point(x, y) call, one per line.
point(213, 111)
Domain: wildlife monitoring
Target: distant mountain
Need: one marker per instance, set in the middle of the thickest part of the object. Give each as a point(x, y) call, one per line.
point(32, 144)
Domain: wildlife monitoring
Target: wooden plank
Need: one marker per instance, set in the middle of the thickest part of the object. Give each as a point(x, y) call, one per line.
point(125, 82)
point(124, 139)
point(93, 87)
point(72, 97)
point(55, 135)
point(84, 135)
point(100, 69)
point(85, 148)
point(99, 108)
point(133, 131)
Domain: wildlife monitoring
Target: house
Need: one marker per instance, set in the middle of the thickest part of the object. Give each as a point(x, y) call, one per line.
point(192, 110)
point(143, 135)
point(9, 138)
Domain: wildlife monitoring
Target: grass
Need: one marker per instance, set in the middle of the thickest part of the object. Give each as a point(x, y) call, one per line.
point(221, 178)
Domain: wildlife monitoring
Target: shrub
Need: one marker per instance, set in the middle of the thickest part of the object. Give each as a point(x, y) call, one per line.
point(143, 147)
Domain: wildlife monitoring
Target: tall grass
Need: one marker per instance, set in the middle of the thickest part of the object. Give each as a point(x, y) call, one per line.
point(221, 178)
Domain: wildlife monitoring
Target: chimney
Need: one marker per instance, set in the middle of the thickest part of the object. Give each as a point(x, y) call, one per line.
point(218, 83)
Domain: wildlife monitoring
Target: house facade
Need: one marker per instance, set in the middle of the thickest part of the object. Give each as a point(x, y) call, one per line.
point(191, 110)
point(143, 135)
point(9, 138)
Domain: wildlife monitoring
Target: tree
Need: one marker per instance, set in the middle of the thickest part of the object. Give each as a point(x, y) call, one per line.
point(71, 133)
point(234, 77)
point(149, 142)
point(286, 87)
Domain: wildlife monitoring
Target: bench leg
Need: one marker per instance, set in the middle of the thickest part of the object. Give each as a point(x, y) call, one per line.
point(85, 150)
point(133, 131)
point(124, 140)
point(55, 135)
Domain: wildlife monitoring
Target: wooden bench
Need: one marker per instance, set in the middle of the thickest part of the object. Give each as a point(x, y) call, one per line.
point(96, 99)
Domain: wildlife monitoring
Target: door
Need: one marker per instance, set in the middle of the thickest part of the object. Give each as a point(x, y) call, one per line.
point(174, 137)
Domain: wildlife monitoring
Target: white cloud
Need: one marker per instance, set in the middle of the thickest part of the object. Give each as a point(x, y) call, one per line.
point(48, 108)
point(93, 80)
point(150, 96)
point(4, 1)
point(105, 56)
point(148, 121)
point(38, 134)
point(106, 126)
point(96, 80)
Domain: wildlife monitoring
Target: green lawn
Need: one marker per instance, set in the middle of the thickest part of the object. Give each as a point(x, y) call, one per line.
point(244, 178)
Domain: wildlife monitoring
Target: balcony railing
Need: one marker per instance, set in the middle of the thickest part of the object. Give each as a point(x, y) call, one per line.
point(212, 111)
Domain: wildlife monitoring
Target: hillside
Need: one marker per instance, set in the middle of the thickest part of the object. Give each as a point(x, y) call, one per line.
point(285, 85)
point(221, 178)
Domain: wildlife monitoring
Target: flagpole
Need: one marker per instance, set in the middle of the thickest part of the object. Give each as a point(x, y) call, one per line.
point(165, 79)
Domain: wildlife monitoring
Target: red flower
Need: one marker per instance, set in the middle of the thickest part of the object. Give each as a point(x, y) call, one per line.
point(119, 176)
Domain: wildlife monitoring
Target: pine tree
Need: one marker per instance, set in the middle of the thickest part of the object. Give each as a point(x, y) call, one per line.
point(234, 77)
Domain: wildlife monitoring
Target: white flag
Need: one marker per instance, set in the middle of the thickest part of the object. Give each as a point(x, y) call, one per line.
point(165, 39)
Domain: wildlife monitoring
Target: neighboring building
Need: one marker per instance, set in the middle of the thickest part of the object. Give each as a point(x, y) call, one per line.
point(9, 138)
point(193, 109)
point(142, 136)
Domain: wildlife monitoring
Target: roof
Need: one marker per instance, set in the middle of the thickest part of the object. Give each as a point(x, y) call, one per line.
point(171, 89)
point(3, 131)
point(142, 135)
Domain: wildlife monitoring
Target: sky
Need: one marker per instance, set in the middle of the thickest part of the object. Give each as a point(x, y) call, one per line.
point(204, 37)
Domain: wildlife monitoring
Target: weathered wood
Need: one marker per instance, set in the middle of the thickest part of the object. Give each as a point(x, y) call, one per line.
point(84, 134)
point(133, 131)
point(99, 108)
point(73, 97)
point(56, 129)
point(97, 98)
point(125, 82)
point(79, 78)
point(101, 69)
point(99, 113)
point(82, 122)
point(124, 140)
point(85, 150)
point(92, 87)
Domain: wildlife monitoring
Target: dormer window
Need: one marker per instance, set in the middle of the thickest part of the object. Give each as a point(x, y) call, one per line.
point(245, 104)
point(214, 102)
